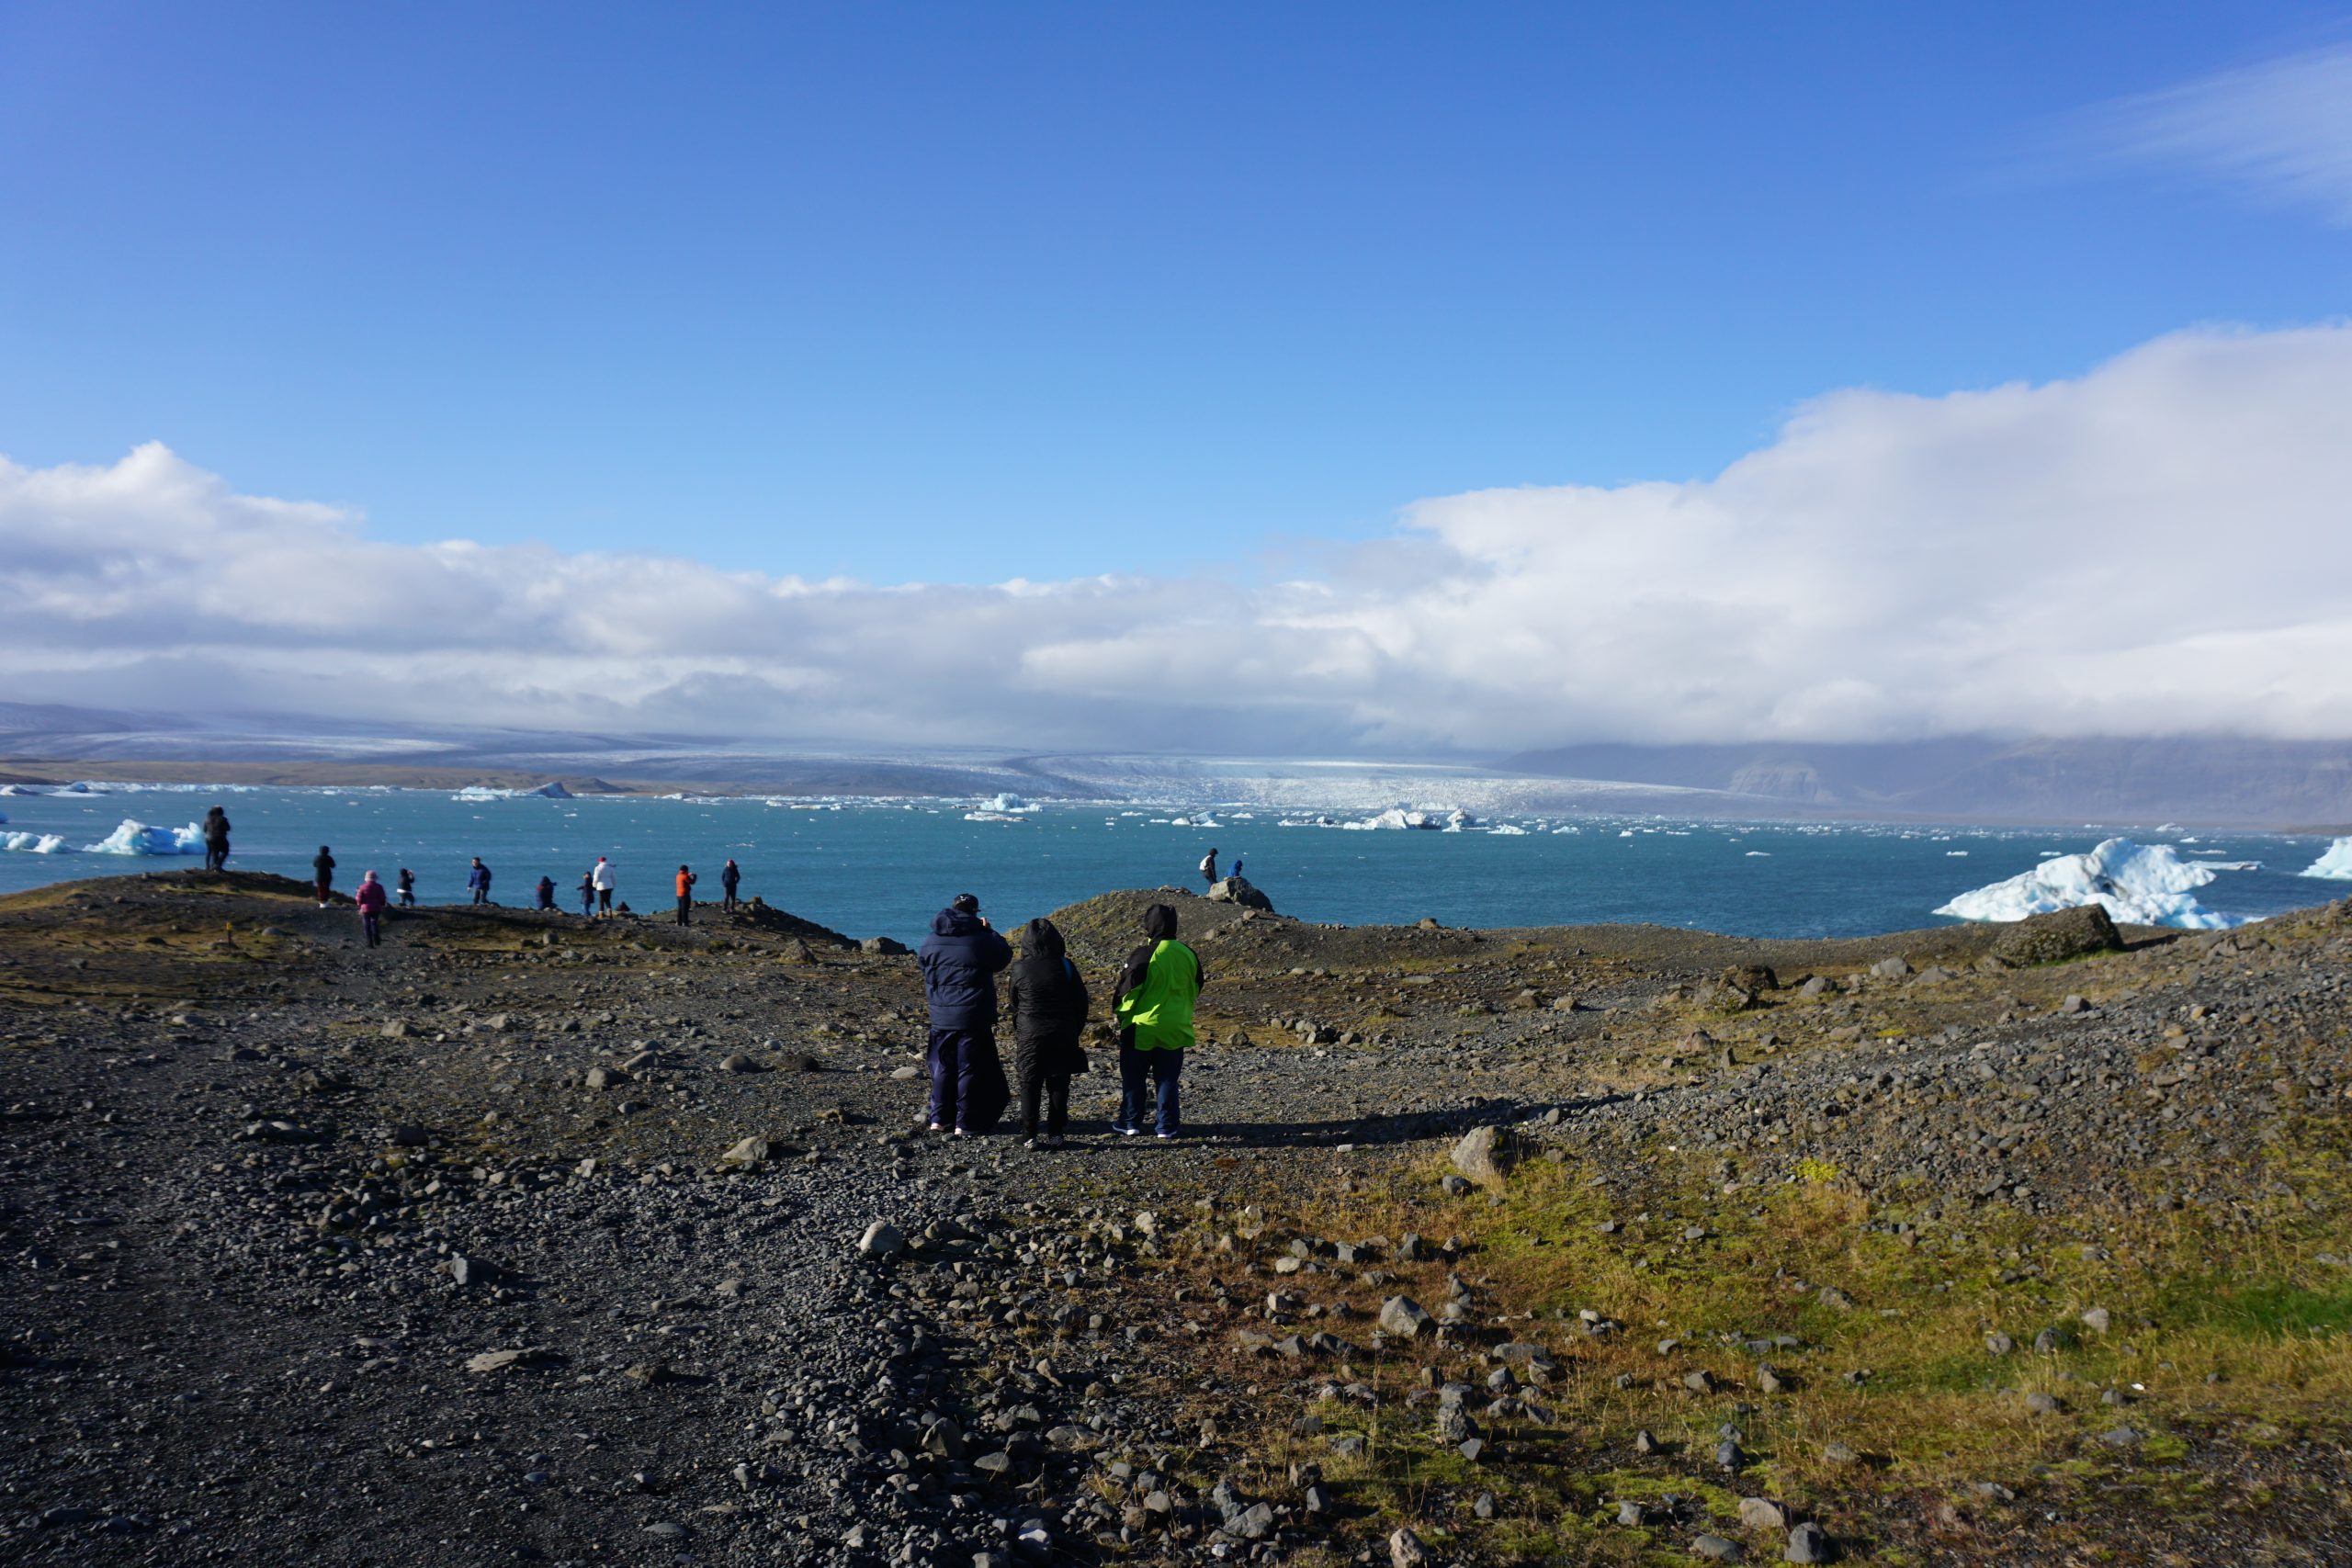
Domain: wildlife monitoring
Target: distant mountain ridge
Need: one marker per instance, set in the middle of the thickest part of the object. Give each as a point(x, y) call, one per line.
point(2219, 779)
point(2216, 781)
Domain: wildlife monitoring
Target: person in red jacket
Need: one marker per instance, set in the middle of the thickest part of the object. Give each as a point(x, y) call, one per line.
point(685, 897)
point(371, 900)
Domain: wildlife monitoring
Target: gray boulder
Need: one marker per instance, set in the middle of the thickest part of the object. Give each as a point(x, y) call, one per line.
point(2059, 935)
point(1239, 891)
point(1486, 1156)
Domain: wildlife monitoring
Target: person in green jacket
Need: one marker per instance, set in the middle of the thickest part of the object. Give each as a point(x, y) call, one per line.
point(1156, 991)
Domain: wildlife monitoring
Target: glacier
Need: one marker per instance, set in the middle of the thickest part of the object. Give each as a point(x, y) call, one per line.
point(2335, 866)
point(2142, 884)
point(138, 838)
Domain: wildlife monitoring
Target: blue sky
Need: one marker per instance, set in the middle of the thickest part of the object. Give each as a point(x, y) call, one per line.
point(963, 293)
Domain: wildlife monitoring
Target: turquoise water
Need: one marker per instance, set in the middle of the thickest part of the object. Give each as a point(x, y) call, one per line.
point(877, 869)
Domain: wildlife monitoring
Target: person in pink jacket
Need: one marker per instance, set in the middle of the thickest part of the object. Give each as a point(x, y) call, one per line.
point(371, 900)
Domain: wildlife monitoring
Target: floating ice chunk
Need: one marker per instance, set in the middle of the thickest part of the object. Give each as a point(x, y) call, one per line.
point(1508, 830)
point(1759, 854)
point(138, 838)
point(2335, 866)
point(1394, 818)
point(36, 843)
point(551, 790)
point(1956, 854)
point(1006, 805)
point(2146, 885)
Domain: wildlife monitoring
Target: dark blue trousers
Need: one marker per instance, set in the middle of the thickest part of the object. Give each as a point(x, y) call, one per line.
point(1158, 1070)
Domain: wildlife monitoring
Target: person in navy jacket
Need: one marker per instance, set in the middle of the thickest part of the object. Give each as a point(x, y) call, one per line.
point(960, 961)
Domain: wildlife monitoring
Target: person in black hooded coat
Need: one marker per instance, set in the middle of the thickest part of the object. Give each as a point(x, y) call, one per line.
point(960, 961)
point(1048, 1004)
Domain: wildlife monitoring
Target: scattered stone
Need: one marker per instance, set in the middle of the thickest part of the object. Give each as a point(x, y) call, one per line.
point(881, 1240)
point(1486, 1156)
point(1807, 1543)
point(1406, 1550)
point(1405, 1318)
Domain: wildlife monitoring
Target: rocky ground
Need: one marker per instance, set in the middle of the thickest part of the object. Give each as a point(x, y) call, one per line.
point(522, 1238)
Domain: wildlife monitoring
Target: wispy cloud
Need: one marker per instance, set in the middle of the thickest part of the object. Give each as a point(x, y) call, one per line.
point(2281, 130)
point(2156, 546)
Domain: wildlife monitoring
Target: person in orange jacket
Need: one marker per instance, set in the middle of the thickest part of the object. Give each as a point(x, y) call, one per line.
point(687, 880)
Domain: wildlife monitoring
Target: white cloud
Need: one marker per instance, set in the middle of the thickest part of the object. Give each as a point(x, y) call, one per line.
point(2281, 129)
point(2158, 547)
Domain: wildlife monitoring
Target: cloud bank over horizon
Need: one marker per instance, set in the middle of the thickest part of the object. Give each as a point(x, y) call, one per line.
point(2158, 547)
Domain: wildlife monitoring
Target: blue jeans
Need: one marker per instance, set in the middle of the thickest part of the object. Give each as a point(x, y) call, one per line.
point(1160, 1069)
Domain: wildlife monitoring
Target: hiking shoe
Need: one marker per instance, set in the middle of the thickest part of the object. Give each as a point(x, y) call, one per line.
point(937, 1128)
point(1164, 1133)
point(1124, 1130)
point(1032, 1143)
point(1054, 1141)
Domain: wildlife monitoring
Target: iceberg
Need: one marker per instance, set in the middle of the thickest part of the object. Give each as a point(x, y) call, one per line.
point(1397, 818)
point(1006, 805)
point(2335, 866)
point(1508, 830)
point(36, 843)
point(2143, 884)
point(552, 790)
point(138, 838)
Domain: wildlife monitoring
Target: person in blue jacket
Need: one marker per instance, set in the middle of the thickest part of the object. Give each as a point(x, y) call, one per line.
point(478, 880)
point(960, 961)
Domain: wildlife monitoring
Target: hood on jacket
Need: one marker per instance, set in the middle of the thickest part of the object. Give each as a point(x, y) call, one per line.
point(1040, 940)
point(1160, 923)
point(947, 923)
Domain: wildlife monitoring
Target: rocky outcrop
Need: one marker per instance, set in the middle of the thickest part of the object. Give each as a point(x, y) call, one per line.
point(2057, 936)
point(1240, 890)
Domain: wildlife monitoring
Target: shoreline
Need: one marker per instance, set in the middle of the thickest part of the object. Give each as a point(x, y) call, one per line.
point(50, 773)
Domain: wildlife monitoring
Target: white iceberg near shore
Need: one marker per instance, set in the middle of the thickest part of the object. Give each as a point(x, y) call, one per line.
point(2335, 866)
point(552, 790)
point(138, 838)
point(2142, 884)
point(36, 843)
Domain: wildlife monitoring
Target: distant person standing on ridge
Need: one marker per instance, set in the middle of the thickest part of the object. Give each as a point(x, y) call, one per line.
point(216, 839)
point(1048, 1004)
point(601, 876)
point(478, 879)
point(960, 960)
point(546, 894)
point(323, 869)
point(371, 901)
point(587, 894)
point(1155, 992)
point(1208, 867)
point(408, 888)
point(687, 880)
point(731, 877)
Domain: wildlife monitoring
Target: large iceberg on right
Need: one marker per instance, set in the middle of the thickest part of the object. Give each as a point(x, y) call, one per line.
point(2140, 885)
point(2335, 866)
